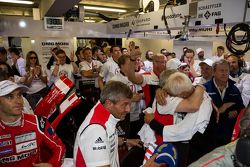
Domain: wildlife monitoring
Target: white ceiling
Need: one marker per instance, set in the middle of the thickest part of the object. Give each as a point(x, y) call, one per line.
point(59, 7)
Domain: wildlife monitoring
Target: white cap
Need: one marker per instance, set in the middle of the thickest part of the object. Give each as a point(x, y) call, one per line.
point(6, 87)
point(199, 50)
point(182, 64)
point(173, 64)
point(207, 61)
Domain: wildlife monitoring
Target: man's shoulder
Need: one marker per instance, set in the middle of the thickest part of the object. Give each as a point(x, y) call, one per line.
point(89, 128)
point(30, 117)
point(39, 121)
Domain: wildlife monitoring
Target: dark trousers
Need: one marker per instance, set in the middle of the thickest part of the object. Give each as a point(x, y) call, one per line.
point(183, 151)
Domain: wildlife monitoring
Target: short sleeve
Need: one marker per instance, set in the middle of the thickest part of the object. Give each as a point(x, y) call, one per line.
point(94, 146)
point(104, 70)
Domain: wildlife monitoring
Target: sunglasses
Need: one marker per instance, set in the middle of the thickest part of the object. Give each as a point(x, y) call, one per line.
point(33, 57)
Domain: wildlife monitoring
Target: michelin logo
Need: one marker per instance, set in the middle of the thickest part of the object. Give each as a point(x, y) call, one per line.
point(26, 146)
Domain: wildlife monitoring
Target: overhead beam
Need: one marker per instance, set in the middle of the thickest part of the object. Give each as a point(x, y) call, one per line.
point(56, 8)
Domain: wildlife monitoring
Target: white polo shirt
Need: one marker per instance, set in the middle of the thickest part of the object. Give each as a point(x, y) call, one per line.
point(109, 69)
point(183, 130)
point(96, 142)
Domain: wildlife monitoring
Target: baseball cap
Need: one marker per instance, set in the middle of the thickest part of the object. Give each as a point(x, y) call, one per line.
point(207, 61)
point(182, 65)
point(167, 154)
point(173, 64)
point(199, 50)
point(6, 87)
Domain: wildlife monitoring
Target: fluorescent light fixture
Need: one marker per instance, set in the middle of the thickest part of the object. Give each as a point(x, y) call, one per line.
point(104, 9)
point(17, 1)
point(89, 21)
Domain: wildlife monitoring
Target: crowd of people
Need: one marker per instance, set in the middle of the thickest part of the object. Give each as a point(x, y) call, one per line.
point(192, 102)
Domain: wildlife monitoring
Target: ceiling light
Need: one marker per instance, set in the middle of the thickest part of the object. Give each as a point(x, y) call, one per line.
point(22, 24)
point(17, 1)
point(104, 9)
point(89, 21)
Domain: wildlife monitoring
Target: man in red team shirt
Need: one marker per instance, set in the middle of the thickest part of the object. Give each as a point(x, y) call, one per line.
point(23, 136)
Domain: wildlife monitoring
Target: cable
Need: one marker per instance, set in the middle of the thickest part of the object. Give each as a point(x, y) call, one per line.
point(165, 20)
point(232, 40)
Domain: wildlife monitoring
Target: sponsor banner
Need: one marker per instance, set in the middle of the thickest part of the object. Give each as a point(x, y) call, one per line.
point(150, 21)
point(193, 32)
point(43, 47)
point(207, 13)
point(26, 146)
point(5, 143)
point(25, 137)
point(229, 11)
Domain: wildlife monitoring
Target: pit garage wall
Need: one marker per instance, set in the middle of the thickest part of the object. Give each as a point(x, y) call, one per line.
point(209, 44)
point(35, 31)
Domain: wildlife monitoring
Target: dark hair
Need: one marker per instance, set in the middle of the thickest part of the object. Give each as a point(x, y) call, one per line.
point(122, 59)
point(60, 51)
point(10, 71)
point(112, 48)
point(162, 50)
point(3, 51)
point(14, 50)
point(123, 49)
point(184, 48)
point(77, 52)
point(95, 49)
point(55, 49)
point(85, 49)
point(28, 59)
point(173, 55)
point(147, 56)
point(137, 47)
point(189, 51)
point(221, 47)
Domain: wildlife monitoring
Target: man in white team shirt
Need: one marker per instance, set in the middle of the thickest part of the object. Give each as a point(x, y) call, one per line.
point(89, 68)
point(110, 68)
point(135, 123)
point(61, 68)
point(97, 142)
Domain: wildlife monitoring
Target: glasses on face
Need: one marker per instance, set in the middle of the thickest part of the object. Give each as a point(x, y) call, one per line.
point(33, 58)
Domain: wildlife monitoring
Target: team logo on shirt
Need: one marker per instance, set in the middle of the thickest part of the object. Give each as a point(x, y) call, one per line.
point(18, 157)
point(5, 136)
point(99, 140)
point(25, 137)
point(26, 146)
point(5, 143)
point(5, 151)
point(99, 148)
